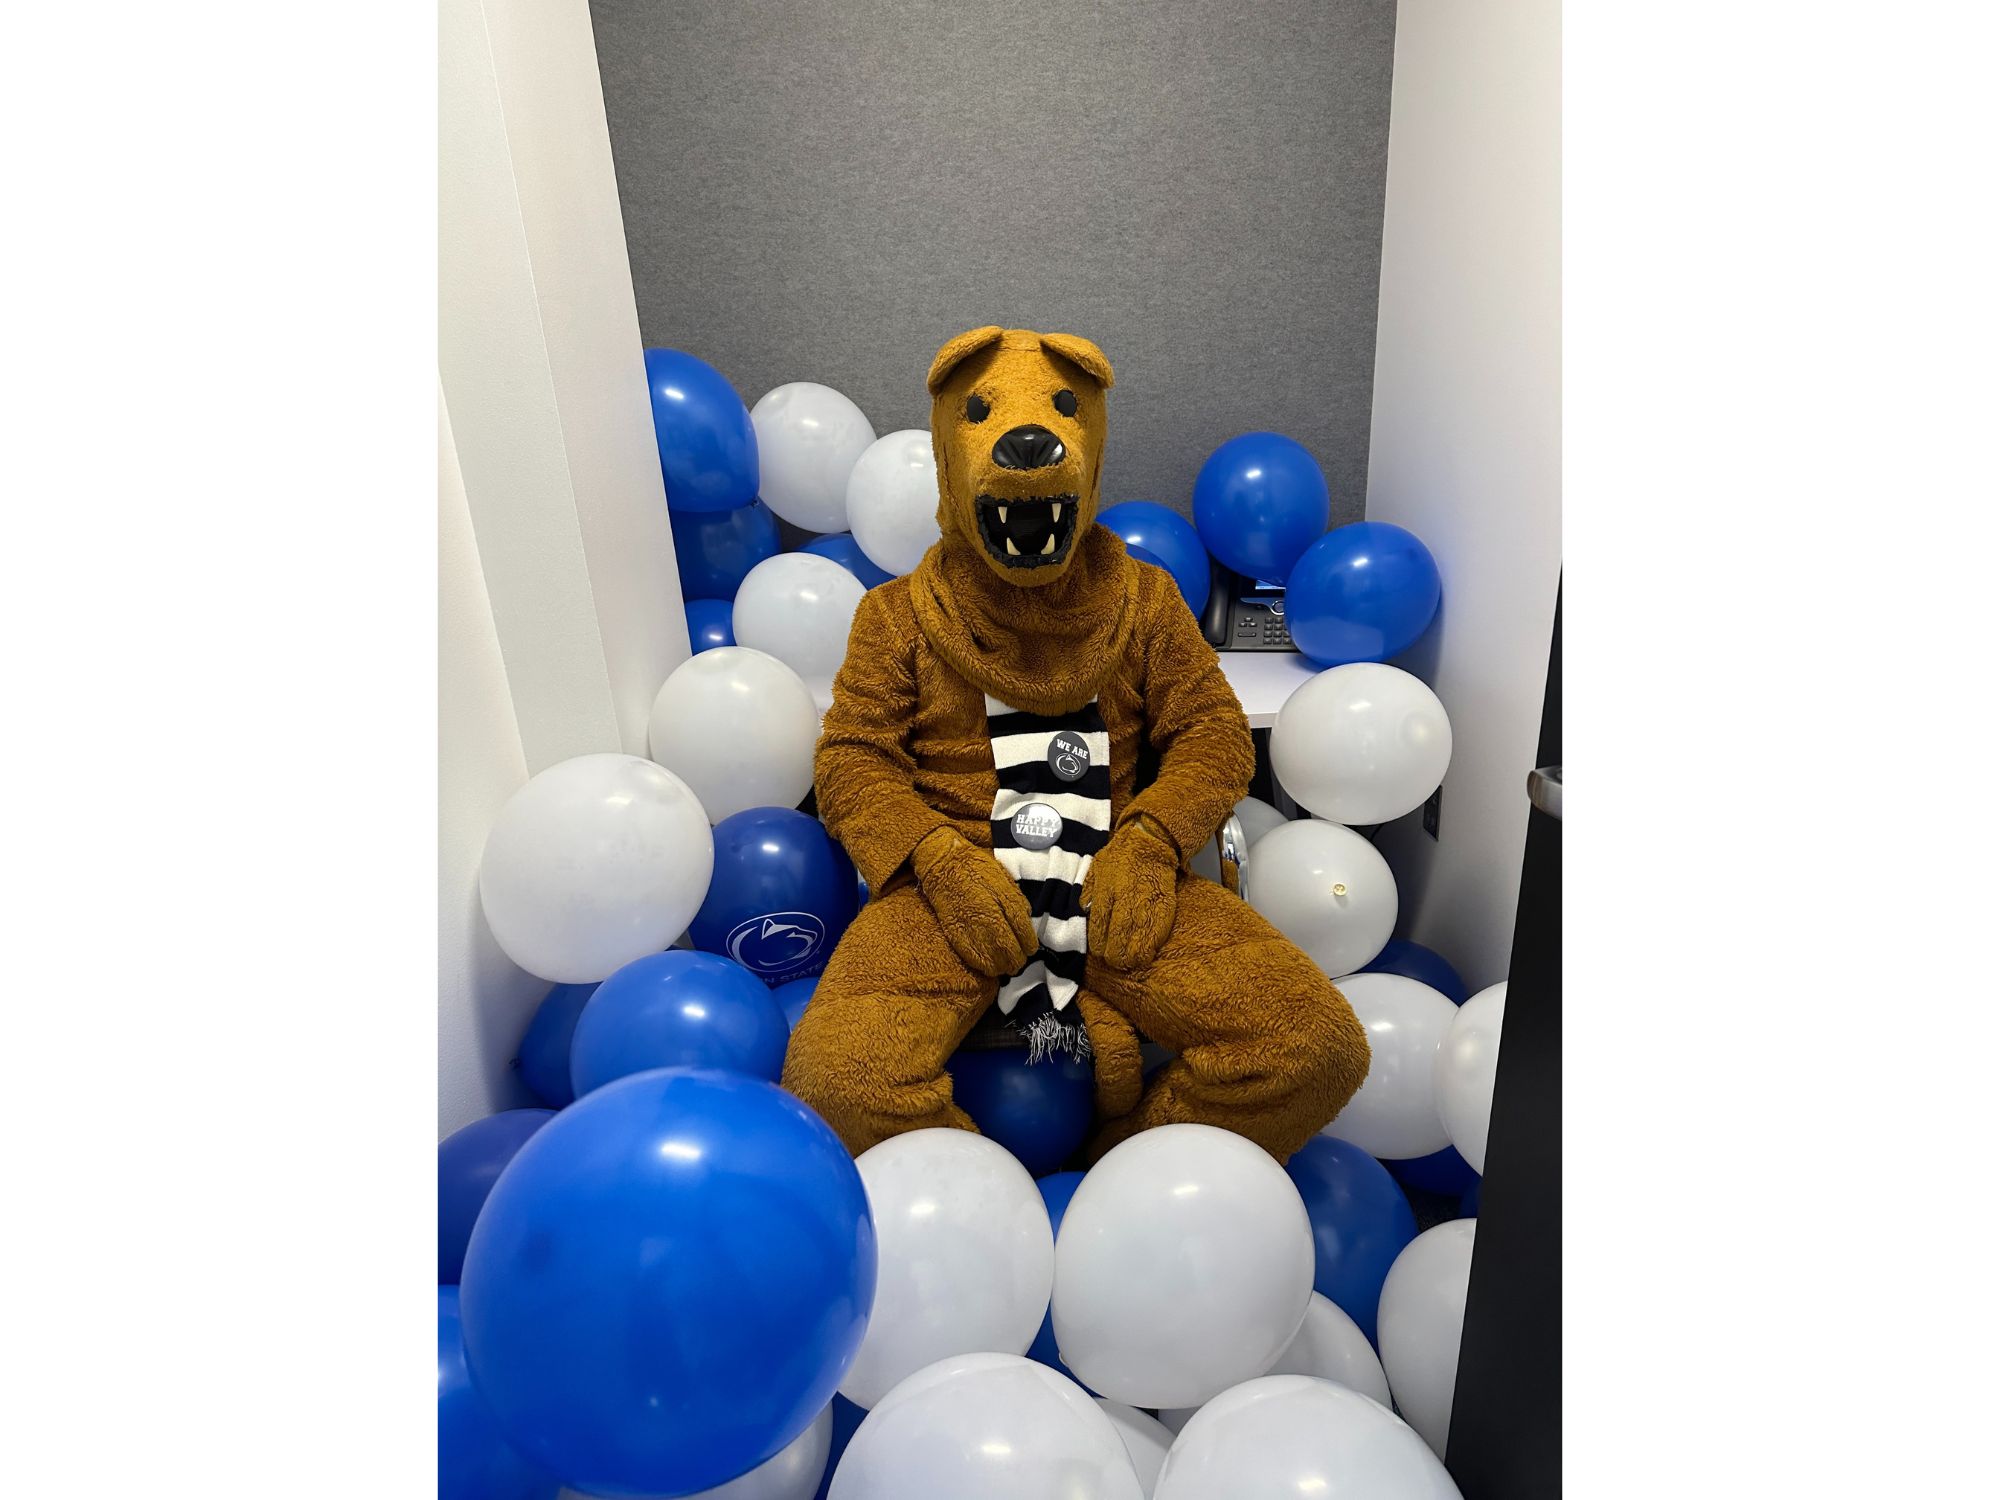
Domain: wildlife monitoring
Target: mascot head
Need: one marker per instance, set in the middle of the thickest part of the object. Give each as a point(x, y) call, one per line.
point(1017, 421)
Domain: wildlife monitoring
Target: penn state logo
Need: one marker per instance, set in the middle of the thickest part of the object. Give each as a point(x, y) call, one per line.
point(777, 943)
point(1069, 756)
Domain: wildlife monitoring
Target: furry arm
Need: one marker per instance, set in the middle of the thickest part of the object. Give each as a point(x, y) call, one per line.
point(862, 768)
point(1129, 894)
point(984, 916)
point(1194, 723)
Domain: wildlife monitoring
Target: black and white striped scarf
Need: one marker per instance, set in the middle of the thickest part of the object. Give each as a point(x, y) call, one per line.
point(1051, 815)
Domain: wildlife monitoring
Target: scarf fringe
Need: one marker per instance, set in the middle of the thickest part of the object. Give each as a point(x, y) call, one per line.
point(1052, 1033)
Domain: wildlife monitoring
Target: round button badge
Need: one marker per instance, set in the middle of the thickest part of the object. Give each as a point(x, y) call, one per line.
point(1037, 825)
point(1069, 756)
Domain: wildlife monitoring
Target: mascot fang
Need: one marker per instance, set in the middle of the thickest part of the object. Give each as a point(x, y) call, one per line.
point(980, 763)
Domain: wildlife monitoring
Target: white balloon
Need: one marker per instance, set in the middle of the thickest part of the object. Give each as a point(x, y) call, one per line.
point(594, 862)
point(892, 500)
point(792, 1473)
point(1394, 1115)
point(1422, 1316)
point(1258, 818)
point(1145, 1439)
point(1326, 888)
point(1333, 1347)
point(1466, 1065)
point(1294, 1435)
point(1176, 1418)
point(1330, 1346)
point(738, 726)
point(1362, 743)
point(808, 439)
point(985, 1427)
point(964, 1256)
point(798, 607)
point(1184, 1265)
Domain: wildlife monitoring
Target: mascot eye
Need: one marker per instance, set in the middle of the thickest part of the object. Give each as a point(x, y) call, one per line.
point(976, 409)
point(1066, 403)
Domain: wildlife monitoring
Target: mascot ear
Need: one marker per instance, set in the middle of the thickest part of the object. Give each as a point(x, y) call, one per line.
point(959, 350)
point(1080, 352)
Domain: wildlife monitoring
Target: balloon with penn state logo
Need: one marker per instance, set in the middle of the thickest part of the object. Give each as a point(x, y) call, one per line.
point(782, 894)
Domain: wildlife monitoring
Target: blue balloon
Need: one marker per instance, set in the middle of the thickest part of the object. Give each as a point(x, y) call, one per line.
point(1168, 539)
point(1360, 1222)
point(846, 1418)
point(1468, 1205)
point(678, 1010)
point(669, 1283)
point(794, 997)
point(714, 551)
point(1259, 502)
point(1057, 1190)
point(1444, 1172)
point(861, 891)
point(843, 549)
point(708, 450)
point(544, 1051)
point(782, 894)
point(1425, 965)
point(1040, 1111)
point(474, 1461)
point(710, 624)
point(470, 1161)
point(1362, 592)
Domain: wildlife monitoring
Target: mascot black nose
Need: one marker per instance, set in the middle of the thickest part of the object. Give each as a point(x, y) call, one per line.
point(1028, 448)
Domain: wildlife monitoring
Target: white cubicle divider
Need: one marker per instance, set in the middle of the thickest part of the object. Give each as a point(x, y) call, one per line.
point(561, 605)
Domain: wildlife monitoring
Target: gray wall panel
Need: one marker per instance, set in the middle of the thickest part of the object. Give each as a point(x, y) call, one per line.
point(828, 192)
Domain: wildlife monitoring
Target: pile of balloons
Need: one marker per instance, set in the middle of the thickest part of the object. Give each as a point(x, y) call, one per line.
point(681, 1285)
point(1357, 745)
point(804, 454)
point(1358, 593)
point(807, 455)
point(672, 1280)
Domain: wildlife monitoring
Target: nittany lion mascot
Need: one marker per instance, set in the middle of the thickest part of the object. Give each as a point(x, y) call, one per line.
point(980, 762)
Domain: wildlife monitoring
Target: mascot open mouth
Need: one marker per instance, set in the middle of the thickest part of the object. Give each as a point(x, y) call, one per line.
point(1027, 533)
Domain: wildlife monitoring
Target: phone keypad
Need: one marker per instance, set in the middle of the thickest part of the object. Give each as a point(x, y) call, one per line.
point(1261, 630)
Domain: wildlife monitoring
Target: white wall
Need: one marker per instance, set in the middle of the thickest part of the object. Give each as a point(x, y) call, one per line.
point(544, 375)
point(561, 607)
point(1466, 443)
point(483, 1001)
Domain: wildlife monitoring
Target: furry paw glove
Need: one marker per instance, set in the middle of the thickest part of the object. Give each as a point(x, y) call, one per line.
point(1129, 894)
point(982, 911)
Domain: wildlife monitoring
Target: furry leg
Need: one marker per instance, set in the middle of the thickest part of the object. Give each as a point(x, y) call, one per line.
point(1114, 1048)
point(894, 1003)
point(1269, 1048)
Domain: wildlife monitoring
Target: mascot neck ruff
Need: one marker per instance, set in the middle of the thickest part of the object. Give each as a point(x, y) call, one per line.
point(980, 763)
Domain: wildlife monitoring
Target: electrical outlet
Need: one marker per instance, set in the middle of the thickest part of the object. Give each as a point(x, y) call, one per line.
point(1431, 806)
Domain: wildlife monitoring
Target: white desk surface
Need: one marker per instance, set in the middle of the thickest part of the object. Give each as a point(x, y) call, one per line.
point(1264, 680)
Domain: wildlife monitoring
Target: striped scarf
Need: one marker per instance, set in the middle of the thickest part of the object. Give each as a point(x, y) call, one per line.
point(1051, 814)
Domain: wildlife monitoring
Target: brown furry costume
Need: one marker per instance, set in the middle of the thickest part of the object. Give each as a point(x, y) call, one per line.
point(1025, 599)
